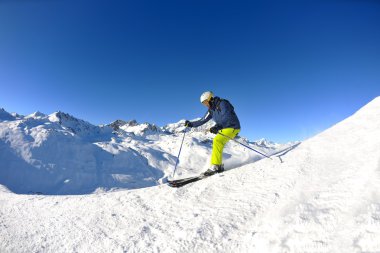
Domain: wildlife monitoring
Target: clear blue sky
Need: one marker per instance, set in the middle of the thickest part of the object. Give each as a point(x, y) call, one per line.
point(291, 68)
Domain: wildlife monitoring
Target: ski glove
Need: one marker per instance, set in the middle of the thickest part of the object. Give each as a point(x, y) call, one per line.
point(188, 124)
point(214, 129)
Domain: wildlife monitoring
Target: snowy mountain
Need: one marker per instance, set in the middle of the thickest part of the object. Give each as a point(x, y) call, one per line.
point(133, 127)
point(60, 154)
point(4, 115)
point(320, 196)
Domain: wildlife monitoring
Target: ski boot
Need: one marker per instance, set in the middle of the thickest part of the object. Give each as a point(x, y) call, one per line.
point(214, 169)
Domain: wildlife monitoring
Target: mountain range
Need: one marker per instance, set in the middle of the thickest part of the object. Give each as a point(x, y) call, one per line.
point(61, 154)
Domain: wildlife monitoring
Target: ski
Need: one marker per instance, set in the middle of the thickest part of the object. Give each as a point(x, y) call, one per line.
point(184, 181)
point(177, 181)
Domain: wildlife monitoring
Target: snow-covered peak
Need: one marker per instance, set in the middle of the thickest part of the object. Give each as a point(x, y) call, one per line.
point(77, 126)
point(117, 124)
point(4, 115)
point(264, 142)
point(180, 127)
point(131, 123)
point(54, 117)
point(61, 116)
point(134, 127)
point(17, 116)
point(121, 123)
point(36, 115)
point(175, 127)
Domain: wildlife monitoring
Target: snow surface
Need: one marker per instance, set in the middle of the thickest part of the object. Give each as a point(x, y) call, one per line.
point(321, 196)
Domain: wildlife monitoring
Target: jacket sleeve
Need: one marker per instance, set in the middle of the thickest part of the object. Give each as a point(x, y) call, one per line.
point(203, 120)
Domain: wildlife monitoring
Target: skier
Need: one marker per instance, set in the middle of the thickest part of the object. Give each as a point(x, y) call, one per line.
point(227, 123)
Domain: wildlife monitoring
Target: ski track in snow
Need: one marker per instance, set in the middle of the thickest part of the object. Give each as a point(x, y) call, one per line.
point(323, 197)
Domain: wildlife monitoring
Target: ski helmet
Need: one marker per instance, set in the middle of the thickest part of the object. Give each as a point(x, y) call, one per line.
point(207, 95)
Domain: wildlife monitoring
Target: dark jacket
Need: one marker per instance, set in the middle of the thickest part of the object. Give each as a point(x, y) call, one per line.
point(222, 112)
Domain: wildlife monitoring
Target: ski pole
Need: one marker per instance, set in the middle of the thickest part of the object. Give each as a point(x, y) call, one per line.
point(175, 167)
point(245, 145)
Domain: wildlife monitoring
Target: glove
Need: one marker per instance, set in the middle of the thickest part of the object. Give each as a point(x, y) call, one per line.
point(188, 124)
point(214, 129)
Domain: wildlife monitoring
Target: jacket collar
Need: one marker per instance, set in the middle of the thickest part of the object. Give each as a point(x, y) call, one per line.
point(214, 103)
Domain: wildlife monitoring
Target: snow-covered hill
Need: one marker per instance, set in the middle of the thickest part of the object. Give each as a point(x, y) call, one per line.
point(60, 154)
point(322, 196)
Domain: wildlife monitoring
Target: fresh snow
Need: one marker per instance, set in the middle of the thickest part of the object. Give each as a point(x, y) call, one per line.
point(320, 196)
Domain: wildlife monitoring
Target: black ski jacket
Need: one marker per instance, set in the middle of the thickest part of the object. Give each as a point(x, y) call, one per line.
point(222, 112)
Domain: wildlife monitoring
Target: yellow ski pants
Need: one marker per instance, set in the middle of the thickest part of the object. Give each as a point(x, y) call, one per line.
point(219, 142)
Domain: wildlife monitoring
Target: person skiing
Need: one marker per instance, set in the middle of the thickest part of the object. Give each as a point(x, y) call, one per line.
point(227, 125)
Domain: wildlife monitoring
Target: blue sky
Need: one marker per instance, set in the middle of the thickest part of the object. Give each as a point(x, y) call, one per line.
point(290, 68)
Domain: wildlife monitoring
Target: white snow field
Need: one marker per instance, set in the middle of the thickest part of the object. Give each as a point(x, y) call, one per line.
point(322, 196)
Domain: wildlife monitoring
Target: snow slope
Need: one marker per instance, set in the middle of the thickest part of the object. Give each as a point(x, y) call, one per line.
point(322, 196)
